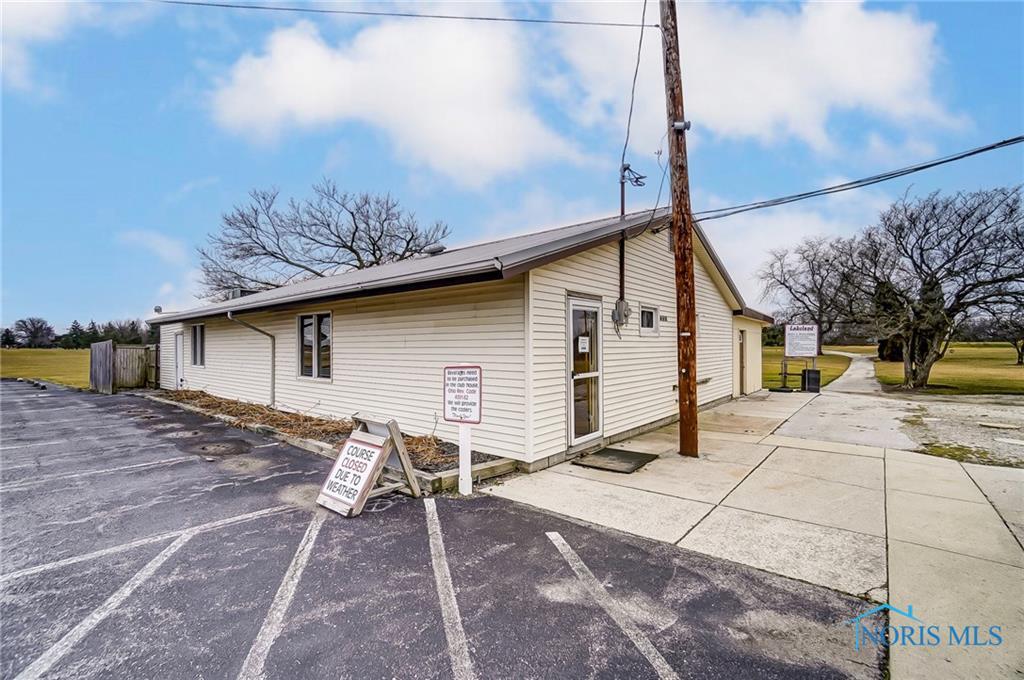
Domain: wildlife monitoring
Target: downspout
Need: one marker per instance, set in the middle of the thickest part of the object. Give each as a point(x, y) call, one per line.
point(273, 353)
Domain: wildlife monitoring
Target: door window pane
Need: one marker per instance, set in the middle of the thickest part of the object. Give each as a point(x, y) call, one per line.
point(585, 409)
point(584, 340)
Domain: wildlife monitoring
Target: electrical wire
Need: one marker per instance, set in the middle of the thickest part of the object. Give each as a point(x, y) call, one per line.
point(406, 15)
point(632, 90)
point(719, 213)
point(661, 183)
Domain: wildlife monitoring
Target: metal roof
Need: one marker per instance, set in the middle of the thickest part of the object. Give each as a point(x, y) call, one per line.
point(481, 262)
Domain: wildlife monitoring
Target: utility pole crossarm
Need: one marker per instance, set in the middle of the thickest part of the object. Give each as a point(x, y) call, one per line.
point(682, 233)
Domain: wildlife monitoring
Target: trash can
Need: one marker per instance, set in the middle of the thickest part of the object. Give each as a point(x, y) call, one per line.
point(810, 380)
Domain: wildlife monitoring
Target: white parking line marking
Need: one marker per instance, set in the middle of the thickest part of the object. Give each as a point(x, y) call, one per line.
point(44, 425)
point(57, 652)
point(263, 446)
point(198, 529)
point(61, 458)
point(458, 646)
point(19, 411)
point(614, 610)
point(25, 446)
point(253, 666)
point(14, 486)
point(108, 437)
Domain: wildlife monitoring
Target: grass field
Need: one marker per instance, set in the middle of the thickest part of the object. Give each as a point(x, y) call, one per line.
point(65, 366)
point(771, 372)
point(967, 368)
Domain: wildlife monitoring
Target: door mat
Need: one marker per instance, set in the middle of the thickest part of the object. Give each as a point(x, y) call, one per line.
point(615, 460)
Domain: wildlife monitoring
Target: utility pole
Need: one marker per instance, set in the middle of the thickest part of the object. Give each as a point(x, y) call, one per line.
point(682, 233)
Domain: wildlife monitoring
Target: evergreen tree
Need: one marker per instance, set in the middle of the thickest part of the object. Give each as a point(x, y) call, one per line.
point(76, 335)
point(92, 333)
point(8, 339)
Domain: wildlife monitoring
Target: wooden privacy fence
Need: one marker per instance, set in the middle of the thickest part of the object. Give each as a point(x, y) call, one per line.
point(112, 366)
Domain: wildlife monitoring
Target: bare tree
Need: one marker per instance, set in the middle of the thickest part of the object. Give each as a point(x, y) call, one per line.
point(262, 245)
point(809, 279)
point(931, 262)
point(1003, 323)
point(33, 332)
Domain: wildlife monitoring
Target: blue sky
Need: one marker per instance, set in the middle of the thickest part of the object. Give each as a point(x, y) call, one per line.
point(129, 129)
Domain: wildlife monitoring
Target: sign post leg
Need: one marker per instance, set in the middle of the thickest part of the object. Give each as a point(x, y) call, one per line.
point(465, 459)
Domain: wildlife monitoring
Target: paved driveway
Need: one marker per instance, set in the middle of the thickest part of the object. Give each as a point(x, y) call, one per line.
point(883, 523)
point(143, 541)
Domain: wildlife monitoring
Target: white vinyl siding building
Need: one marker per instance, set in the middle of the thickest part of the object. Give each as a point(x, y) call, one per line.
point(387, 351)
point(639, 377)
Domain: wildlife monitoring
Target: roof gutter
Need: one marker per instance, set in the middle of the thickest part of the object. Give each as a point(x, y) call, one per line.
point(273, 354)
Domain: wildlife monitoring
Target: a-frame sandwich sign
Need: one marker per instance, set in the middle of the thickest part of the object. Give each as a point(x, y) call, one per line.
point(360, 466)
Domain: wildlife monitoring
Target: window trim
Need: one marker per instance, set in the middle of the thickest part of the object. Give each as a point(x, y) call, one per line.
point(316, 348)
point(192, 345)
point(655, 330)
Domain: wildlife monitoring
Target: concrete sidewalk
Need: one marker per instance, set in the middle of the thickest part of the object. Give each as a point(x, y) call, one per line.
point(882, 523)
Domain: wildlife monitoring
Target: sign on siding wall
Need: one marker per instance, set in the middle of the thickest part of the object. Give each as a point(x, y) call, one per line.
point(801, 340)
point(463, 394)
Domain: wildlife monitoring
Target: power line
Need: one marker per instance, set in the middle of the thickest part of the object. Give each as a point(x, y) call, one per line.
point(406, 15)
point(632, 90)
point(719, 213)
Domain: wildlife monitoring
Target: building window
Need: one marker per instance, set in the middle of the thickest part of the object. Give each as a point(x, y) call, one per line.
point(199, 345)
point(648, 320)
point(315, 345)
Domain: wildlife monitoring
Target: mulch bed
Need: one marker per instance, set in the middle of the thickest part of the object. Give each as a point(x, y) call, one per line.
point(428, 453)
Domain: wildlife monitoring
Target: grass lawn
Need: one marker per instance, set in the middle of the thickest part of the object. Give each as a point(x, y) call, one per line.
point(65, 366)
point(771, 371)
point(967, 368)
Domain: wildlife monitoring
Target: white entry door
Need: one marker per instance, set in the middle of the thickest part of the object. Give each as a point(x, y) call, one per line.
point(179, 360)
point(584, 331)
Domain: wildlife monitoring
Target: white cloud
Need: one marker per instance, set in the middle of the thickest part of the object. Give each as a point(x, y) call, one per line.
point(767, 72)
point(743, 241)
point(887, 153)
point(538, 209)
point(26, 23)
point(29, 24)
point(180, 294)
point(189, 187)
point(169, 250)
point(454, 98)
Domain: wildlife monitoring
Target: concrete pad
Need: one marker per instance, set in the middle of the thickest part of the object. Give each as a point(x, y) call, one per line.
point(1004, 488)
point(849, 562)
point(690, 478)
point(818, 501)
point(653, 442)
point(819, 445)
point(835, 467)
point(933, 480)
point(972, 529)
point(724, 451)
point(729, 436)
point(853, 419)
point(948, 589)
point(739, 424)
point(919, 458)
point(651, 515)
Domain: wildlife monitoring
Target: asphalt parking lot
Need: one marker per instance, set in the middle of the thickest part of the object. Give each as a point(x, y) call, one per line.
point(143, 541)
